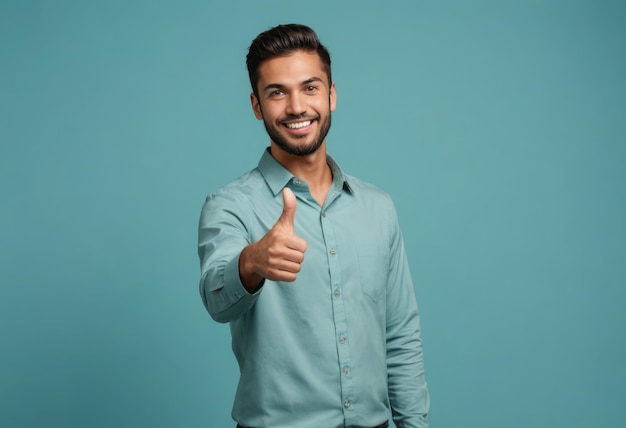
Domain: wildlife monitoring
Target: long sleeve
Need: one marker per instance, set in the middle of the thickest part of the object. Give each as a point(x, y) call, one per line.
point(341, 345)
point(408, 392)
point(221, 237)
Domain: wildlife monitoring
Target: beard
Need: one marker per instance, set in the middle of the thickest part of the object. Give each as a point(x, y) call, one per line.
point(299, 150)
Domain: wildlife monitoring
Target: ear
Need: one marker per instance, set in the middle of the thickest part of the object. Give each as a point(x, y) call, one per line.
point(256, 106)
point(333, 97)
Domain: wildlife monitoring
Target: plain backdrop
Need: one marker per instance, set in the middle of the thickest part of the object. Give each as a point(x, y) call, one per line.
point(498, 127)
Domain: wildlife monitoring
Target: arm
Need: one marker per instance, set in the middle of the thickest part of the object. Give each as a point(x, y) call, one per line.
point(233, 269)
point(222, 235)
point(408, 391)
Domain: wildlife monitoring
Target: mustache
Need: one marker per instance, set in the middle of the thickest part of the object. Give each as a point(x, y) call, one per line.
point(293, 117)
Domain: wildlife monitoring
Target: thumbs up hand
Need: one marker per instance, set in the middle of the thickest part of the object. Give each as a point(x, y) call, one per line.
point(288, 216)
point(278, 255)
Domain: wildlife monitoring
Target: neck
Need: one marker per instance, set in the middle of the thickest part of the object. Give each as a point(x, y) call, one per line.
point(312, 168)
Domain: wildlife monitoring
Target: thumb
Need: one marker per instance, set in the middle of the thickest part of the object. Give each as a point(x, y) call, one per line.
point(288, 216)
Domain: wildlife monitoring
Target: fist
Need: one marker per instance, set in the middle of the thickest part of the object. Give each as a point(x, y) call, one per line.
point(279, 254)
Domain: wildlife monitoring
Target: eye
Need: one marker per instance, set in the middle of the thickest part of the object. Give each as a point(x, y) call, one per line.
point(311, 88)
point(276, 93)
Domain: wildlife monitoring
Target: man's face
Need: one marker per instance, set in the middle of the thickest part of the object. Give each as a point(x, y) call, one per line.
point(295, 102)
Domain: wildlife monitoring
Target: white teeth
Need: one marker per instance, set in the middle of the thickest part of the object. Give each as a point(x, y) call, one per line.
point(298, 125)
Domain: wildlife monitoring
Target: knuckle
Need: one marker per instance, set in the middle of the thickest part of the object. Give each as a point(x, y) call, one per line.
point(273, 252)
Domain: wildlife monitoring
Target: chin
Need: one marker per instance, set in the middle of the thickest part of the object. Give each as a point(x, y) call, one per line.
point(300, 150)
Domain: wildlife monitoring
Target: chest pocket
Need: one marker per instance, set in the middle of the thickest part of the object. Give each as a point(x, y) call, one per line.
point(373, 270)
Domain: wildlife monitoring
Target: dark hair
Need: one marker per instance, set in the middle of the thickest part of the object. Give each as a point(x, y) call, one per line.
point(284, 40)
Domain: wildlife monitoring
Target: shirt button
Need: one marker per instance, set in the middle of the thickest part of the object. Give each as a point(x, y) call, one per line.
point(345, 370)
point(347, 404)
point(337, 293)
point(333, 252)
point(298, 182)
point(342, 339)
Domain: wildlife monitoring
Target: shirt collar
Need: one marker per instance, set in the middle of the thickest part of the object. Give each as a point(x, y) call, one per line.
point(277, 177)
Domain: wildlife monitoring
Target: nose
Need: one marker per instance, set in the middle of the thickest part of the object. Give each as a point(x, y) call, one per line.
point(296, 106)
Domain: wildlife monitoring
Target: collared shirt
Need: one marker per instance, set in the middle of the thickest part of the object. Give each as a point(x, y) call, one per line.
point(339, 346)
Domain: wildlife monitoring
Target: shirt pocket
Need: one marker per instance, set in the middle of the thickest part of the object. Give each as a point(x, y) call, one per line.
point(373, 271)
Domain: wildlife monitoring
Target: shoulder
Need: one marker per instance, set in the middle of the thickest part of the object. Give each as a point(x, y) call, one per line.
point(368, 191)
point(374, 201)
point(375, 205)
point(246, 185)
point(237, 197)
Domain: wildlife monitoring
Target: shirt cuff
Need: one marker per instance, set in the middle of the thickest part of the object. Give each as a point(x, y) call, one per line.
point(232, 283)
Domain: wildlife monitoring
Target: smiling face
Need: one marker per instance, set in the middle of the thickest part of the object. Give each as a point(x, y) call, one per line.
point(295, 102)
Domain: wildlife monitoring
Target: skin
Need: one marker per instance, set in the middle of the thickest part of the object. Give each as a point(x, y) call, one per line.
point(292, 89)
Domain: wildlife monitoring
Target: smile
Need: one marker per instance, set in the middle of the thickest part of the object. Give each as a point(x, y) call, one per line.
point(298, 124)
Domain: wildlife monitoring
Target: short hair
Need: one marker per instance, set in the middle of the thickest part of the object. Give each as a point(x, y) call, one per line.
point(284, 40)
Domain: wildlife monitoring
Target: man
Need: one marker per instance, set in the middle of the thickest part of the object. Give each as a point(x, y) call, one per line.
point(307, 264)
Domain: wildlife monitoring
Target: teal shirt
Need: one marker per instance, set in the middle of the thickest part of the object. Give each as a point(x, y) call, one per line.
point(341, 345)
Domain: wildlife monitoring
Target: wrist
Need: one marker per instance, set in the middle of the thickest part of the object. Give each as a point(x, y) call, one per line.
point(249, 278)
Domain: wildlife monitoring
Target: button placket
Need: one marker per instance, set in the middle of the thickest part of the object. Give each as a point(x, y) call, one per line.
point(339, 312)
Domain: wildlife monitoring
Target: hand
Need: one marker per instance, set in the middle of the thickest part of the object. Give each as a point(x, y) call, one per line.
point(278, 255)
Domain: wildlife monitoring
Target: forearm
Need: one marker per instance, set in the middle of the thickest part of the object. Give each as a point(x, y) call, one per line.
point(222, 234)
point(408, 392)
point(223, 293)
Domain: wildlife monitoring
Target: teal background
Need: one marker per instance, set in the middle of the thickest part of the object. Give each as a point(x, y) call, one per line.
point(498, 127)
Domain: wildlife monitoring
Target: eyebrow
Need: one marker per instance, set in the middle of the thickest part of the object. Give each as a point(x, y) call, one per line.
point(279, 86)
